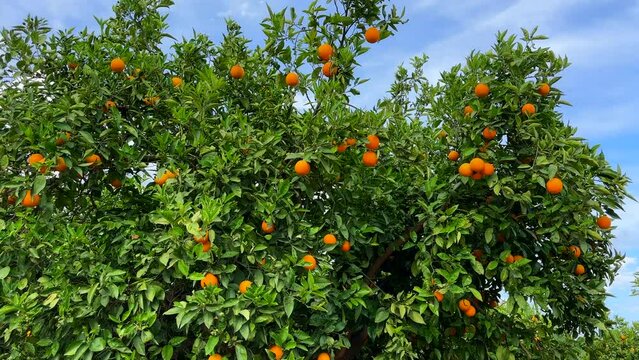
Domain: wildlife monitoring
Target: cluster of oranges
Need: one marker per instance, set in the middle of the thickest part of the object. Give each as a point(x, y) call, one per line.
point(476, 169)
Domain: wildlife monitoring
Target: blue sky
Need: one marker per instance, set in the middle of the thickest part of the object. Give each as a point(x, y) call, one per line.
point(600, 37)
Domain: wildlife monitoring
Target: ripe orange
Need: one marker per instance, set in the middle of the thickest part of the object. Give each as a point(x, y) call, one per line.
point(604, 222)
point(373, 142)
point(277, 352)
point(11, 199)
point(439, 296)
point(580, 270)
point(510, 259)
point(215, 357)
point(302, 168)
point(554, 186)
point(93, 160)
point(268, 228)
point(209, 280)
point(176, 81)
point(464, 304)
point(489, 169)
point(351, 141)
point(465, 170)
point(518, 257)
point(36, 158)
point(202, 239)
point(528, 109)
point(482, 90)
point(330, 239)
point(292, 79)
point(544, 89)
point(576, 251)
point(206, 246)
point(61, 140)
point(61, 165)
point(372, 35)
point(324, 356)
point(346, 246)
point(73, 65)
point(477, 165)
point(30, 201)
point(237, 71)
point(471, 311)
point(116, 183)
point(329, 70)
point(468, 110)
point(477, 176)
point(324, 52)
point(453, 155)
point(489, 133)
point(117, 65)
point(342, 147)
point(312, 263)
point(244, 285)
point(369, 159)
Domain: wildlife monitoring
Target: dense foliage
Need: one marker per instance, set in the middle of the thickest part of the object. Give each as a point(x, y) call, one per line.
point(166, 180)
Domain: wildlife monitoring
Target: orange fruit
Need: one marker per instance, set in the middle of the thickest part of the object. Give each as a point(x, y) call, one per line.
point(324, 356)
point(116, 183)
point(61, 140)
point(277, 352)
point(493, 303)
point(108, 105)
point(554, 186)
point(477, 176)
point(576, 251)
point(477, 165)
point(453, 155)
point(510, 259)
point(73, 65)
point(215, 357)
point(369, 159)
point(166, 176)
point(330, 239)
point(311, 262)
point(580, 270)
point(93, 160)
point(346, 246)
point(329, 70)
point(202, 239)
point(342, 147)
point(489, 133)
point(237, 71)
point(518, 257)
point(439, 296)
point(324, 52)
point(489, 169)
point(292, 79)
point(528, 109)
point(351, 141)
point(244, 285)
point(151, 101)
point(372, 35)
point(30, 201)
point(465, 170)
point(61, 165)
point(267, 228)
point(36, 158)
point(11, 199)
point(471, 311)
point(373, 142)
point(302, 168)
point(209, 280)
point(544, 89)
point(442, 134)
point(206, 246)
point(468, 110)
point(464, 304)
point(604, 222)
point(478, 253)
point(117, 65)
point(482, 90)
point(176, 81)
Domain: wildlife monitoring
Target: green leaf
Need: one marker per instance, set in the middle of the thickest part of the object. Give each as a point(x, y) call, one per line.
point(382, 315)
point(477, 266)
point(240, 352)
point(183, 267)
point(4, 272)
point(416, 317)
point(87, 137)
point(98, 344)
point(289, 304)
point(167, 352)
point(211, 344)
point(39, 184)
point(73, 348)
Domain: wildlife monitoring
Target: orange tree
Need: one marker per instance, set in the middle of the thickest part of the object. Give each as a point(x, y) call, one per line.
point(185, 205)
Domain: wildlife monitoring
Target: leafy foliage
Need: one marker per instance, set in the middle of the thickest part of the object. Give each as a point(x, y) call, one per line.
point(108, 271)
